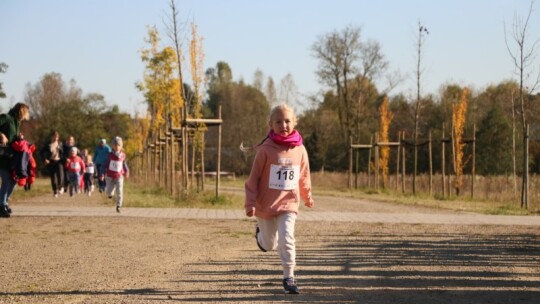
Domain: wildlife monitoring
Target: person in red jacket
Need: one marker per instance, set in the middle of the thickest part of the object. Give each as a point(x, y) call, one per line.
point(75, 168)
point(116, 169)
point(279, 178)
point(32, 165)
point(23, 166)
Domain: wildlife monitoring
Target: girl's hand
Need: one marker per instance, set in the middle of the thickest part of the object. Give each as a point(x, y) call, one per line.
point(3, 139)
point(250, 213)
point(309, 204)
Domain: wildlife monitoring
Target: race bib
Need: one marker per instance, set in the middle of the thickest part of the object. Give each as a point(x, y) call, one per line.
point(90, 169)
point(284, 177)
point(75, 166)
point(115, 166)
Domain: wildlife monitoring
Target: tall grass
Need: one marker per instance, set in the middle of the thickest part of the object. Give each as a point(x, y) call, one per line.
point(490, 192)
point(493, 194)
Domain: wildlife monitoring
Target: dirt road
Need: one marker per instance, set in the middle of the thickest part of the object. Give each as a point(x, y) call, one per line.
point(121, 259)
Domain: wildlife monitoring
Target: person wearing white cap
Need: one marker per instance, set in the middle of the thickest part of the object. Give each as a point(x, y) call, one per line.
point(117, 169)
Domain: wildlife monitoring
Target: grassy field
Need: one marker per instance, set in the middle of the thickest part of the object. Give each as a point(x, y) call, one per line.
point(138, 194)
point(334, 184)
point(493, 195)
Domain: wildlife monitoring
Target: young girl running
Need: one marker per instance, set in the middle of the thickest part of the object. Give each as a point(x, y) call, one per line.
point(89, 175)
point(117, 169)
point(279, 178)
point(75, 168)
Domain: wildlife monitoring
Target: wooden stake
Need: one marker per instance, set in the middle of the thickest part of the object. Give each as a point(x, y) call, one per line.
point(430, 167)
point(397, 160)
point(403, 166)
point(218, 165)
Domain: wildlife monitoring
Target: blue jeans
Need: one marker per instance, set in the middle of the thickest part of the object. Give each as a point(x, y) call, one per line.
point(101, 170)
point(7, 187)
point(74, 182)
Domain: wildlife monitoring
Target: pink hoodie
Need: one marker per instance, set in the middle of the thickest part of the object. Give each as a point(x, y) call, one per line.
point(279, 178)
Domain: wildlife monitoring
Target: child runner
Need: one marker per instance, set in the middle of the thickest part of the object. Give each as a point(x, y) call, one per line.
point(279, 178)
point(75, 167)
point(89, 175)
point(82, 154)
point(117, 168)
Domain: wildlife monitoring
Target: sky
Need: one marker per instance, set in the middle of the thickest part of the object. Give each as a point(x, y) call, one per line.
point(97, 43)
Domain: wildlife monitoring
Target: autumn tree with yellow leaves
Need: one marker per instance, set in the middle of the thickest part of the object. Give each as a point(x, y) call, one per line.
point(458, 128)
point(196, 55)
point(171, 101)
point(160, 87)
point(138, 133)
point(386, 117)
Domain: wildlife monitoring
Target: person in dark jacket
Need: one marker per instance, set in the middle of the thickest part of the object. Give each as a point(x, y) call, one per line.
point(9, 128)
point(66, 148)
point(101, 156)
point(52, 155)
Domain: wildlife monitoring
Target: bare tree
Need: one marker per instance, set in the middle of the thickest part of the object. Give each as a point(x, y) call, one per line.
point(270, 92)
point(347, 65)
point(523, 57)
point(288, 91)
point(337, 53)
point(173, 30)
point(422, 33)
point(258, 79)
point(49, 93)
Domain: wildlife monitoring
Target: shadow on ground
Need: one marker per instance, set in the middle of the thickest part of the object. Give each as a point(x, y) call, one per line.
point(376, 265)
point(385, 268)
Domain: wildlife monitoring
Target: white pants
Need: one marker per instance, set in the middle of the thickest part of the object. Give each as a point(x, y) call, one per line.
point(115, 184)
point(279, 233)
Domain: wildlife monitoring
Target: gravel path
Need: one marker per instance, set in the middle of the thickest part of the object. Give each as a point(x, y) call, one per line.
point(80, 251)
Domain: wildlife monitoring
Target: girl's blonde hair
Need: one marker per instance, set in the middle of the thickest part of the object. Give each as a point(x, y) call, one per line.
point(282, 108)
point(88, 158)
point(279, 108)
point(20, 111)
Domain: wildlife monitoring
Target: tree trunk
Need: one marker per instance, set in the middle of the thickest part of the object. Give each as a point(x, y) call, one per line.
point(453, 139)
point(202, 162)
point(398, 159)
point(473, 169)
point(356, 160)
point(218, 164)
point(349, 175)
point(430, 167)
point(525, 184)
point(369, 162)
point(403, 166)
point(443, 163)
point(514, 147)
point(377, 161)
